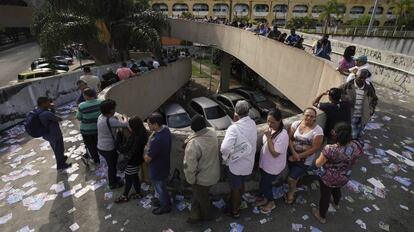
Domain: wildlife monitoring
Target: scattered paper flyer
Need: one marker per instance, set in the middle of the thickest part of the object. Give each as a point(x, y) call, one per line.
point(5, 218)
point(74, 227)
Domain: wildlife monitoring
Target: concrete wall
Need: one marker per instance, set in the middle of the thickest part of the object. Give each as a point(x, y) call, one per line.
point(396, 45)
point(298, 75)
point(392, 70)
point(142, 95)
point(17, 100)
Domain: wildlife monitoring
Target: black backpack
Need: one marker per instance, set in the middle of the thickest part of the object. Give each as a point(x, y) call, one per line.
point(33, 125)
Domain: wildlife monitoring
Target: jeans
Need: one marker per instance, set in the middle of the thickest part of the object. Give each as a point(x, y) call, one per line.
point(91, 141)
point(326, 193)
point(59, 150)
point(357, 127)
point(265, 185)
point(111, 158)
point(160, 187)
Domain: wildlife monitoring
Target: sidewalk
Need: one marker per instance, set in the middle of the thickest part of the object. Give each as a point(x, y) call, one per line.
point(30, 197)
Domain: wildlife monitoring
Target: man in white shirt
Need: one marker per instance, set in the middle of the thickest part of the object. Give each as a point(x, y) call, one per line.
point(92, 81)
point(240, 164)
point(361, 63)
point(155, 63)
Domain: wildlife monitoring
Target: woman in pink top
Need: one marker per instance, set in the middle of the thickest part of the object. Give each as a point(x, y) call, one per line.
point(124, 72)
point(272, 158)
point(347, 60)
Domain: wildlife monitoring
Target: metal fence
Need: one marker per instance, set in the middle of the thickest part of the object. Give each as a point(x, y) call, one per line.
point(385, 31)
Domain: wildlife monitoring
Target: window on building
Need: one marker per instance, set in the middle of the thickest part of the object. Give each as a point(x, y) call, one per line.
point(317, 9)
point(160, 7)
point(241, 8)
point(300, 9)
point(220, 7)
point(261, 8)
point(200, 7)
point(180, 7)
point(379, 10)
point(357, 10)
point(280, 8)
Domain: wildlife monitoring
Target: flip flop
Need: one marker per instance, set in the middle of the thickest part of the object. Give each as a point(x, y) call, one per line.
point(267, 211)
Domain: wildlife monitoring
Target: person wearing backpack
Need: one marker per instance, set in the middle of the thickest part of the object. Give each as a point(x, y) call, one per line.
point(49, 123)
point(241, 135)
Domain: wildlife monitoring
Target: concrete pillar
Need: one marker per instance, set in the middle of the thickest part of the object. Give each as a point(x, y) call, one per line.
point(225, 67)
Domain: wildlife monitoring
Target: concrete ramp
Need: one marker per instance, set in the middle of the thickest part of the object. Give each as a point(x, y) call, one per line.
point(142, 95)
point(298, 75)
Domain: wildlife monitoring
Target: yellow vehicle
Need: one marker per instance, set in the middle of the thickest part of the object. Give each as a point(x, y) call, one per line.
point(41, 72)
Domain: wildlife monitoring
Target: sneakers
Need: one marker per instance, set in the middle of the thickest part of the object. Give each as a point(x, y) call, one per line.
point(64, 166)
point(161, 210)
point(155, 202)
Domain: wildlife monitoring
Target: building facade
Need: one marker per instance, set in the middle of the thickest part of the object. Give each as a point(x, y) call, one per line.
point(276, 12)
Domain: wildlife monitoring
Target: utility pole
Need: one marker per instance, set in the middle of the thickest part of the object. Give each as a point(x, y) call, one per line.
point(231, 12)
point(287, 13)
point(371, 21)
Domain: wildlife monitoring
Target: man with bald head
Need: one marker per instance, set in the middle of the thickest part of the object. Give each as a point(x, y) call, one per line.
point(238, 151)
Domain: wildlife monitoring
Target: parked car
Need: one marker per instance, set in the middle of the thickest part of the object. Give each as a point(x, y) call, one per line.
point(175, 116)
point(228, 102)
point(64, 59)
point(53, 66)
point(257, 99)
point(43, 72)
point(212, 112)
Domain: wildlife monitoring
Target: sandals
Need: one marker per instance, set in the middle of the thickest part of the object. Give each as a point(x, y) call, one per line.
point(289, 200)
point(234, 214)
point(315, 213)
point(262, 202)
point(264, 210)
point(136, 196)
point(121, 199)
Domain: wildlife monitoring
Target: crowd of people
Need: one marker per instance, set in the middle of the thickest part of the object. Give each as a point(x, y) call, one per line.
point(302, 148)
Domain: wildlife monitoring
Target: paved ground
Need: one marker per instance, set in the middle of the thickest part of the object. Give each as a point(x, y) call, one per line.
point(17, 59)
point(92, 209)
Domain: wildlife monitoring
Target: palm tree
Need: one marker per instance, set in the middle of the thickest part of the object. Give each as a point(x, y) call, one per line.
point(403, 9)
point(331, 8)
point(103, 26)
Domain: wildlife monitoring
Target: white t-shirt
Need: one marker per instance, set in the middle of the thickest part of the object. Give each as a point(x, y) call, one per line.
point(270, 164)
point(155, 64)
point(303, 142)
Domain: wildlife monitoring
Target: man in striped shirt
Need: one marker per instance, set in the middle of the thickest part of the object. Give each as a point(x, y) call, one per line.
point(88, 114)
point(363, 100)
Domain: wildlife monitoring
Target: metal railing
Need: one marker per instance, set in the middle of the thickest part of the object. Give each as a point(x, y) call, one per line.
point(384, 31)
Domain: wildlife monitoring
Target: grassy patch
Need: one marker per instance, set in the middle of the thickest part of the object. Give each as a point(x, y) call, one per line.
point(196, 72)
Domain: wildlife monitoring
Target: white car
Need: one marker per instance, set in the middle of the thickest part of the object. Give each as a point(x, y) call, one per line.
point(176, 116)
point(211, 111)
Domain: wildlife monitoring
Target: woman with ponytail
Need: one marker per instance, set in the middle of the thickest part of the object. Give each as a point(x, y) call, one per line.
point(336, 162)
point(272, 158)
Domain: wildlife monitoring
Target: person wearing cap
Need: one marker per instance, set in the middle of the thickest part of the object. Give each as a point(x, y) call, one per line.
point(363, 101)
point(201, 167)
point(240, 165)
point(335, 110)
point(361, 63)
point(88, 113)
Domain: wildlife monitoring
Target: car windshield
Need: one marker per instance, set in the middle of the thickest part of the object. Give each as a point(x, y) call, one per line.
point(214, 112)
point(259, 97)
point(178, 120)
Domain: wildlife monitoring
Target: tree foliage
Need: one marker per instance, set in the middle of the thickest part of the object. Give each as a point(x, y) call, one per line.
point(404, 10)
point(105, 27)
point(330, 10)
point(301, 22)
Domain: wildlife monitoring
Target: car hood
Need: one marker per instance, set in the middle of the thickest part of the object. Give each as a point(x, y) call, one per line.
point(220, 123)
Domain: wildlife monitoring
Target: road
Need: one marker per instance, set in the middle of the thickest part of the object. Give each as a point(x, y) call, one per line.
point(15, 60)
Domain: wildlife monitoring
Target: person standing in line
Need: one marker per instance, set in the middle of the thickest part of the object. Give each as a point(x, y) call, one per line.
point(53, 134)
point(272, 158)
point(292, 38)
point(88, 114)
point(336, 161)
point(347, 61)
point(158, 158)
point(363, 101)
point(133, 150)
point(82, 85)
point(335, 110)
point(274, 34)
point(107, 126)
point(91, 80)
point(201, 168)
point(239, 165)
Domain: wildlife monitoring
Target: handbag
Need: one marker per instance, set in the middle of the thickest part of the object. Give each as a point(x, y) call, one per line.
point(123, 159)
point(241, 148)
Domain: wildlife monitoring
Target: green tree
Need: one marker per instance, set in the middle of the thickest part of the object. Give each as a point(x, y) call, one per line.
point(404, 10)
point(103, 26)
point(301, 22)
point(332, 9)
point(361, 21)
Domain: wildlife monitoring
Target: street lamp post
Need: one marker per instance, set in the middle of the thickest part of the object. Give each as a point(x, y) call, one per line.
point(371, 20)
